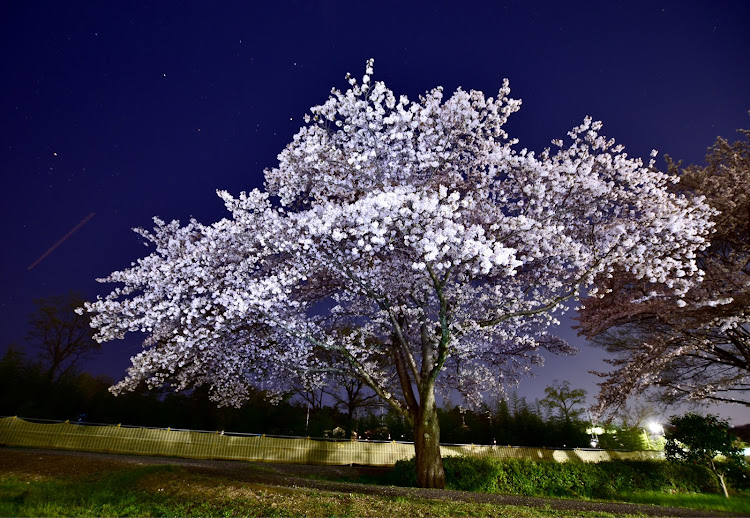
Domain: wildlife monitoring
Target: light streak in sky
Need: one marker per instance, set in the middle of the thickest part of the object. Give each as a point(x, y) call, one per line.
point(61, 240)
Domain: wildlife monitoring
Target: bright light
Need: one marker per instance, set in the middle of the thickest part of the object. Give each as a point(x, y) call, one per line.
point(655, 428)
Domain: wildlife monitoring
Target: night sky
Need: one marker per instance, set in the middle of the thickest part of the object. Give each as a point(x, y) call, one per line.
point(115, 112)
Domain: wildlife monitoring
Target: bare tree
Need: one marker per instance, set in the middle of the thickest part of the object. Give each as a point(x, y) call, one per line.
point(561, 398)
point(352, 395)
point(63, 337)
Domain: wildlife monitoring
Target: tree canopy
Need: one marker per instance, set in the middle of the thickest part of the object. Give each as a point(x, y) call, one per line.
point(696, 347)
point(420, 226)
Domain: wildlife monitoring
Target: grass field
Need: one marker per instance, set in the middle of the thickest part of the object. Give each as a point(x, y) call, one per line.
point(169, 491)
point(739, 504)
point(52, 485)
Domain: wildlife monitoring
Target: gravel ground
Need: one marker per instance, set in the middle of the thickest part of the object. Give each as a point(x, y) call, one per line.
point(57, 463)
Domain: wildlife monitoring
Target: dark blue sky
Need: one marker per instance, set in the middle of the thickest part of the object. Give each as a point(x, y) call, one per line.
point(131, 110)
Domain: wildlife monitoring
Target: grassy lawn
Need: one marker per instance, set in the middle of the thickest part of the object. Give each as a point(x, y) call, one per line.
point(40, 484)
point(736, 504)
point(171, 491)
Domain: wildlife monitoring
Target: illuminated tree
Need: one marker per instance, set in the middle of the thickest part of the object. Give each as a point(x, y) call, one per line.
point(696, 347)
point(418, 225)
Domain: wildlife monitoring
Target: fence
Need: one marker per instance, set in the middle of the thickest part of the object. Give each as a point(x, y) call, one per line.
point(215, 445)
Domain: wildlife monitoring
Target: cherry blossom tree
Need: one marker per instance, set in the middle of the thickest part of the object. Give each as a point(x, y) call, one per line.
point(420, 226)
point(697, 347)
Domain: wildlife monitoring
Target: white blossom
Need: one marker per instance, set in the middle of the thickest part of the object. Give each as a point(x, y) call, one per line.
point(416, 223)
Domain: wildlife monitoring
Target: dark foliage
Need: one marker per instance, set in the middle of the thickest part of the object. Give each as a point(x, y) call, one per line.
point(513, 423)
point(742, 432)
point(27, 391)
point(696, 439)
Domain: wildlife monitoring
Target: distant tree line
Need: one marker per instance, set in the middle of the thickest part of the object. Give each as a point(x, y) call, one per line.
point(556, 421)
point(26, 390)
point(52, 386)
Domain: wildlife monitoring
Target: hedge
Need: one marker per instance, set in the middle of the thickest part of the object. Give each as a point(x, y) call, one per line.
point(568, 479)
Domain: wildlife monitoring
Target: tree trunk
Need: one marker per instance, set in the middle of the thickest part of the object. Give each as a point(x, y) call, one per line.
point(349, 421)
point(721, 479)
point(429, 463)
point(723, 485)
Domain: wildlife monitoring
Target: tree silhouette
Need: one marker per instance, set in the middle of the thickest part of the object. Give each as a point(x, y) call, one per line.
point(561, 399)
point(63, 337)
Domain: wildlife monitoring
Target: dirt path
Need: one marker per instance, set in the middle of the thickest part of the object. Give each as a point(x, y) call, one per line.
point(57, 463)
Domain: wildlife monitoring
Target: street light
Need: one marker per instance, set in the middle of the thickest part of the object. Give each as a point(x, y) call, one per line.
point(655, 428)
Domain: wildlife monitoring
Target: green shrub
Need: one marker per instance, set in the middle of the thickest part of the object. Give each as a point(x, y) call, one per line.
point(601, 480)
point(627, 476)
point(404, 473)
point(569, 479)
point(471, 474)
point(738, 476)
point(527, 477)
point(462, 473)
